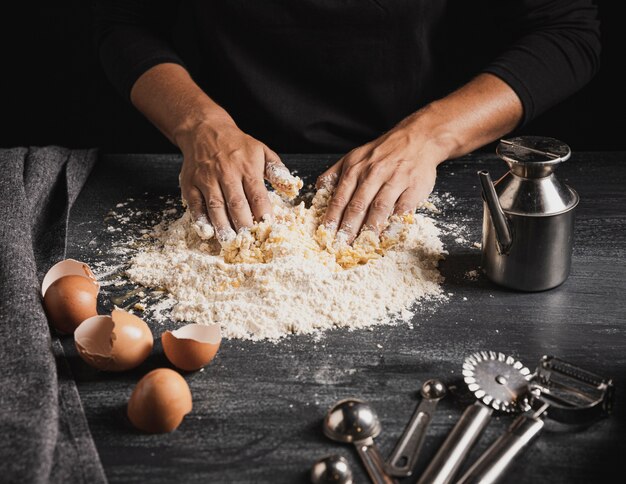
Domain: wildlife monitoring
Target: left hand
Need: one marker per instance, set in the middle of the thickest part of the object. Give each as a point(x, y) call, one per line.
point(391, 175)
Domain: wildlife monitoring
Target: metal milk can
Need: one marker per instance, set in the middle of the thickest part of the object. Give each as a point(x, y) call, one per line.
point(528, 216)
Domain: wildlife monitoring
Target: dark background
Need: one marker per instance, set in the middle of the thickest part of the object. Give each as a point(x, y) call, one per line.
point(53, 90)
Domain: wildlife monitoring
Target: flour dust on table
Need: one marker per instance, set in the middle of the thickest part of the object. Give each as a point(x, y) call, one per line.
point(291, 275)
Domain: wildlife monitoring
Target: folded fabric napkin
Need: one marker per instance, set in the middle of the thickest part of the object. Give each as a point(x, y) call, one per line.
point(45, 436)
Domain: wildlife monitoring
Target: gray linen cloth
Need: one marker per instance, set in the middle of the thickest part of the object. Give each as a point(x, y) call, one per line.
point(44, 436)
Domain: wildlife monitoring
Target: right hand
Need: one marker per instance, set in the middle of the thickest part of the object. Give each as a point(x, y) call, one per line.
point(222, 176)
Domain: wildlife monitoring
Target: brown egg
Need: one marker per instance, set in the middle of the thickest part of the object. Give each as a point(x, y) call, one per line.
point(193, 346)
point(114, 343)
point(70, 295)
point(159, 402)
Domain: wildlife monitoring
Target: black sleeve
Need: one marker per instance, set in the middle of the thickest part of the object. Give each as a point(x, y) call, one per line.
point(556, 50)
point(131, 37)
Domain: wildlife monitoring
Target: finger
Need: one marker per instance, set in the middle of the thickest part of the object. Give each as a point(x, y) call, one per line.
point(328, 180)
point(407, 202)
point(258, 198)
point(195, 204)
point(194, 201)
point(271, 157)
point(357, 209)
point(279, 176)
point(346, 185)
point(382, 206)
point(236, 203)
point(216, 209)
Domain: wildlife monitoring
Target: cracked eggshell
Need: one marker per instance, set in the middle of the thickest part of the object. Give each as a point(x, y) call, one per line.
point(193, 346)
point(114, 343)
point(70, 295)
point(159, 402)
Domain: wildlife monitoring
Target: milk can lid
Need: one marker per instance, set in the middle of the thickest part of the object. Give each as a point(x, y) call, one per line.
point(533, 156)
point(531, 188)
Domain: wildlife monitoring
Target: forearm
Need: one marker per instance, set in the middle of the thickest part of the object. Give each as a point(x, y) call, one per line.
point(171, 100)
point(476, 114)
point(553, 50)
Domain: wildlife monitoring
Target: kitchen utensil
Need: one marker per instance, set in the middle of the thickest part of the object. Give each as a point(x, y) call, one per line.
point(499, 383)
point(575, 395)
point(332, 469)
point(404, 456)
point(354, 421)
point(528, 216)
point(563, 392)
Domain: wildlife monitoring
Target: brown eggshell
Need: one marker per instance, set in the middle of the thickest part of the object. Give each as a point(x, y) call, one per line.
point(192, 346)
point(114, 343)
point(69, 300)
point(159, 402)
point(67, 267)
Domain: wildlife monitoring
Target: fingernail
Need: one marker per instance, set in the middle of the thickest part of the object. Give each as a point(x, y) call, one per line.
point(203, 228)
point(341, 240)
point(327, 182)
point(370, 228)
point(395, 231)
point(343, 237)
point(225, 234)
point(331, 227)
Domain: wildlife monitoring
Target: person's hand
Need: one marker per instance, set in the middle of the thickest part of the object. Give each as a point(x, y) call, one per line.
point(222, 176)
point(391, 175)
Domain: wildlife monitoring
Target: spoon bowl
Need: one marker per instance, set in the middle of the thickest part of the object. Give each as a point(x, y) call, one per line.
point(354, 421)
point(351, 420)
point(333, 469)
point(433, 389)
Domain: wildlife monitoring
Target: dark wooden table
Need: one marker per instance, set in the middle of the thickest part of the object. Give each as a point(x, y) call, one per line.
point(258, 407)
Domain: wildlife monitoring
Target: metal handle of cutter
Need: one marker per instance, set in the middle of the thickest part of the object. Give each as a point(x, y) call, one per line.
point(493, 464)
point(457, 445)
point(373, 461)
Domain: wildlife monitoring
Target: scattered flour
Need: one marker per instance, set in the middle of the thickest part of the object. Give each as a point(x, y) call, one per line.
point(291, 275)
point(472, 275)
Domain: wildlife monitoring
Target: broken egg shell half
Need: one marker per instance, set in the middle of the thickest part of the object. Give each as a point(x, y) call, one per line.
point(159, 401)
point(118, 342)
point(193, 346)
point(70, 294)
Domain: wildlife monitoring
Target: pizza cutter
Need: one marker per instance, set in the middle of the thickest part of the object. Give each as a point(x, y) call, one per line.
point(498, 382)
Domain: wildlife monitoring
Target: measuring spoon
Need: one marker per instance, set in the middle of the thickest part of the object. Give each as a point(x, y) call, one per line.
point(333, 469)
point(403, 458)
point(354, 421)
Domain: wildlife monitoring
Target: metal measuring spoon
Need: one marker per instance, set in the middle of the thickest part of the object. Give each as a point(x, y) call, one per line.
point(354, 421)
point(403, 458)
point(333, 469)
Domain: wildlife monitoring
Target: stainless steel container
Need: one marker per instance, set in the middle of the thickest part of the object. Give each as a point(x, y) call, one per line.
point(528, 216)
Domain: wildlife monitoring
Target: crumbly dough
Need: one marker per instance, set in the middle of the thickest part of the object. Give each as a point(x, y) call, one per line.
point(299, 230)
point(292, 275)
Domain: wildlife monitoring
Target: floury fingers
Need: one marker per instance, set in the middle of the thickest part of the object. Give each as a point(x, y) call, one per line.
point(285, 184)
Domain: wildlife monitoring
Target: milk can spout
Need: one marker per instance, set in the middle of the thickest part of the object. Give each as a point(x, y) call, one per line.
point(500, 224)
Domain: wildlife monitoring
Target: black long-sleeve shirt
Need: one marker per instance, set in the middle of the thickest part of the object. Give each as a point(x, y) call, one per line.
point(328, 75)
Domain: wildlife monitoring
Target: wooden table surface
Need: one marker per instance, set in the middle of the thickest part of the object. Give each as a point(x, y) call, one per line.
point(258, 407)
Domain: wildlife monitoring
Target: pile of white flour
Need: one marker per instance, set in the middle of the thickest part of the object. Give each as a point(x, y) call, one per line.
point(285, 277)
